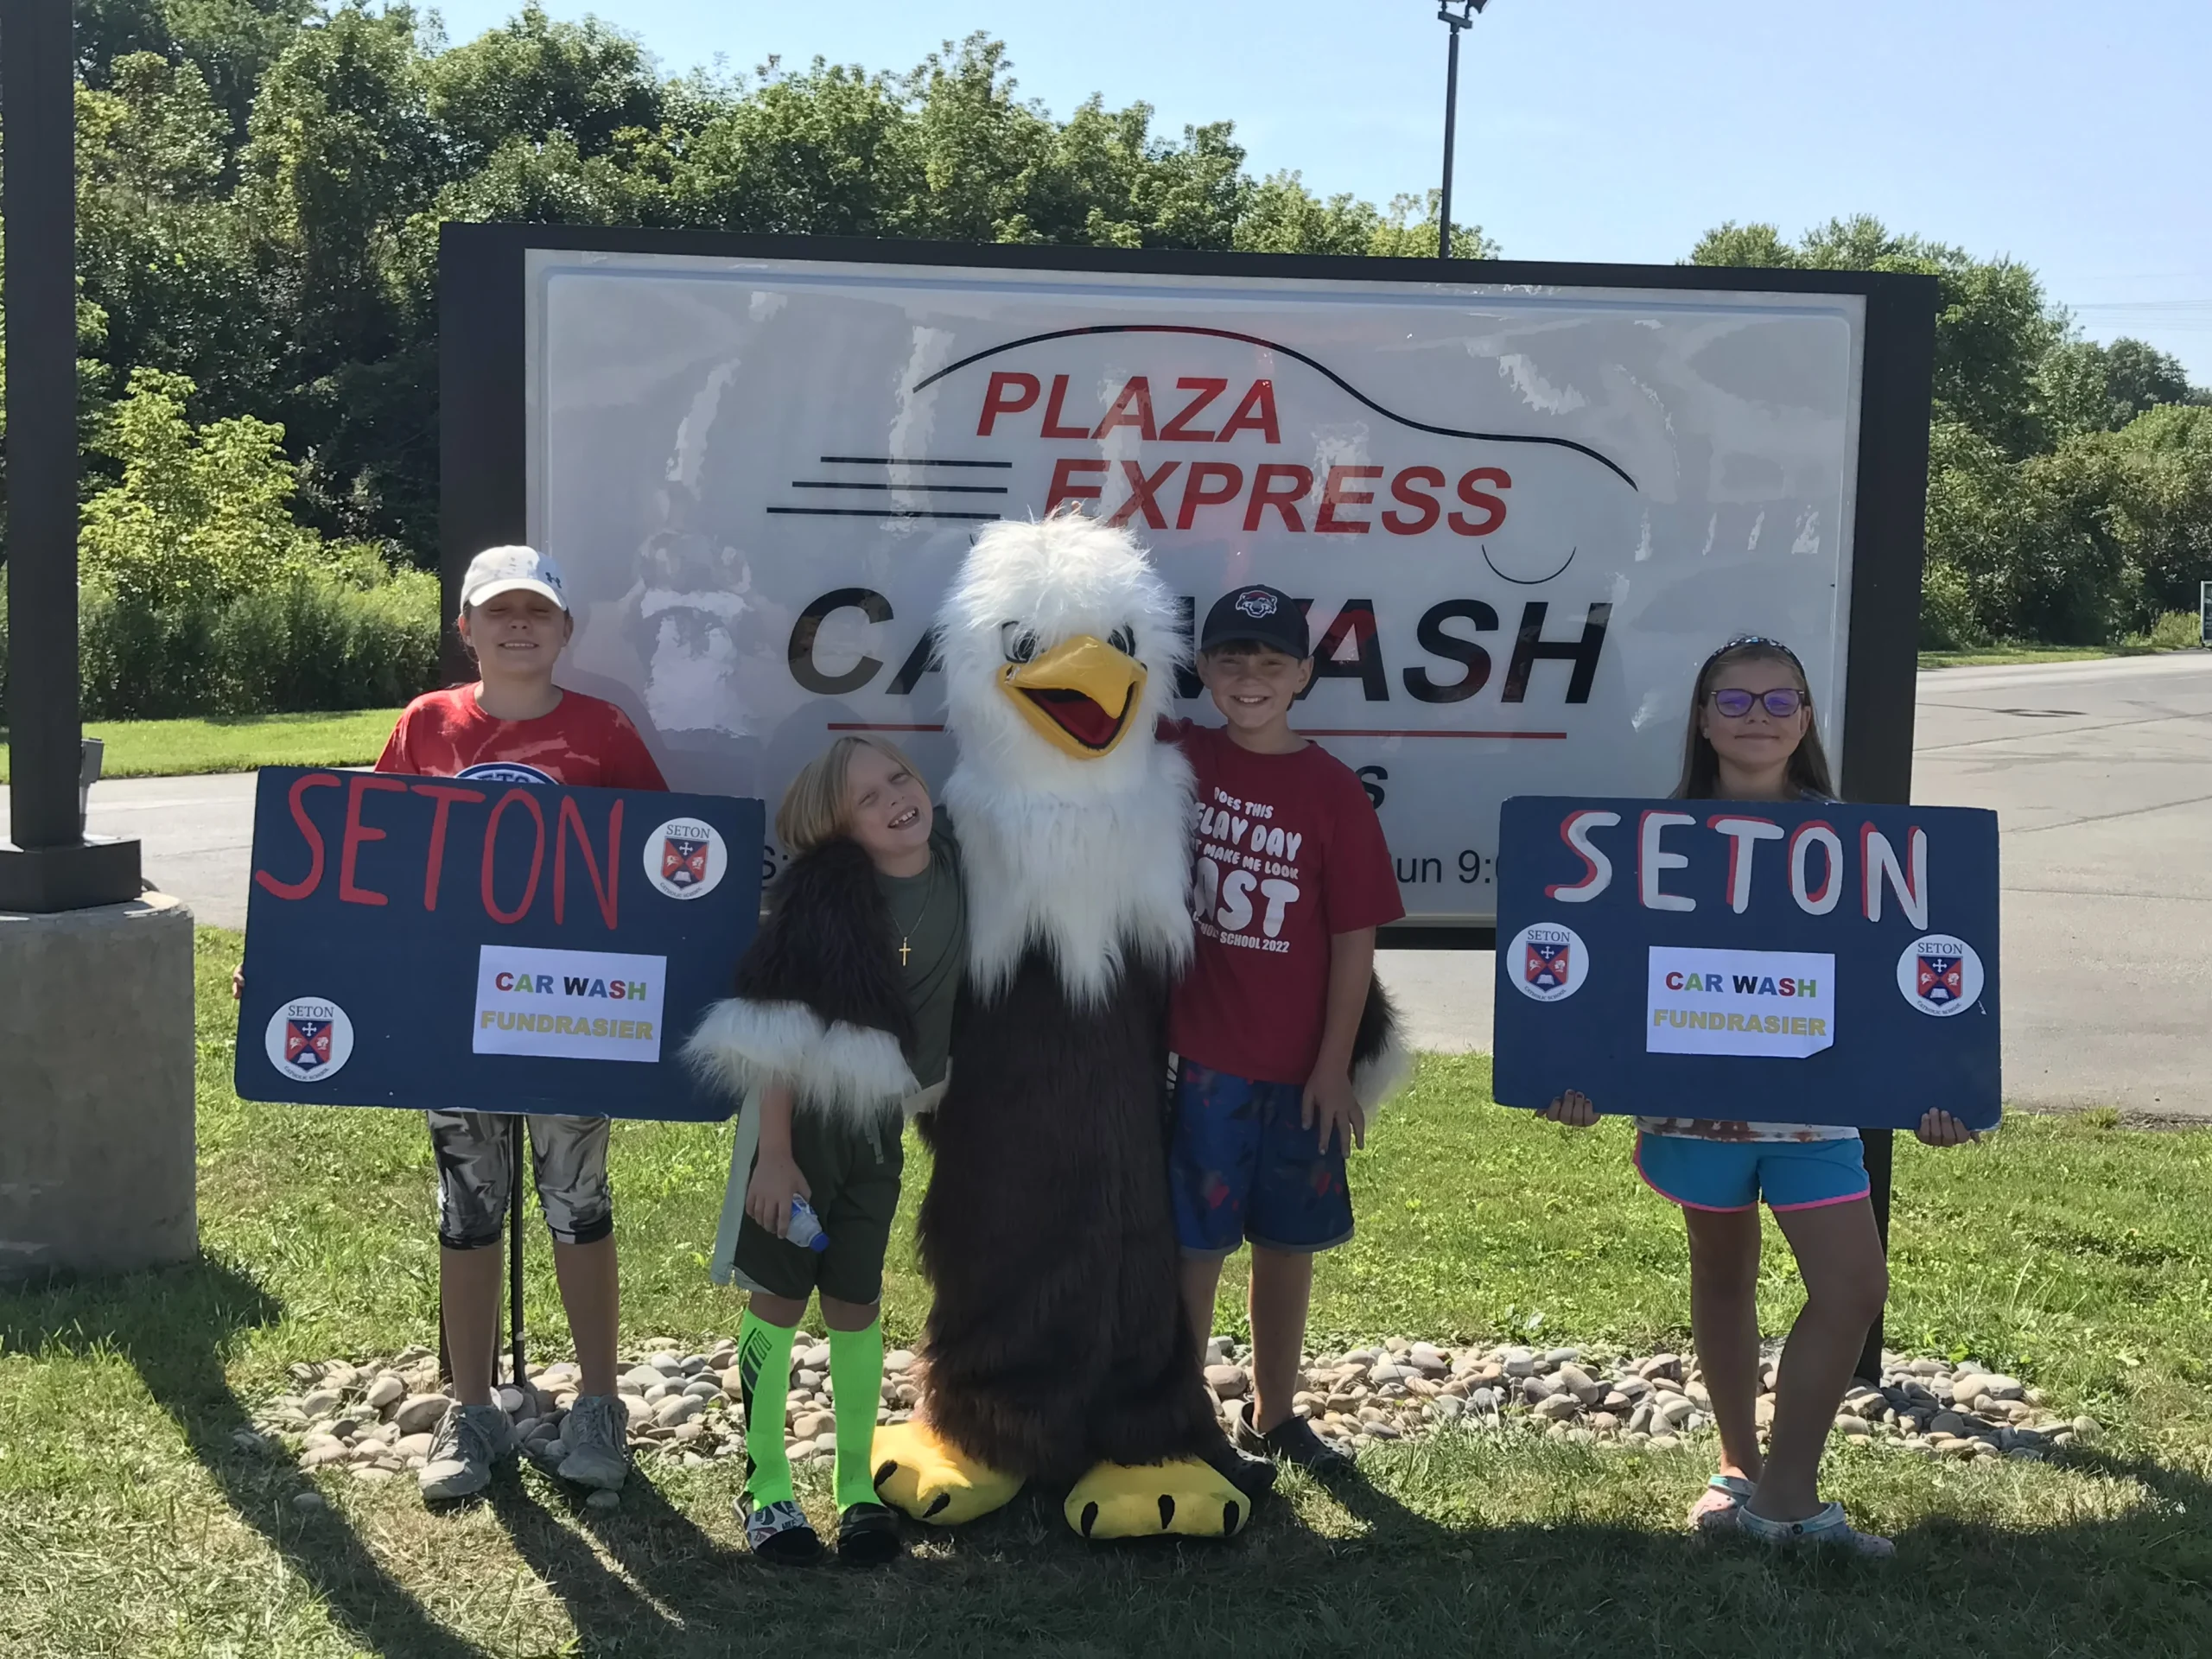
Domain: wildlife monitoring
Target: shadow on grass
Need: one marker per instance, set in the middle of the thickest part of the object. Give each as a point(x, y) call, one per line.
point(173, 1327)
point(1440, 1549)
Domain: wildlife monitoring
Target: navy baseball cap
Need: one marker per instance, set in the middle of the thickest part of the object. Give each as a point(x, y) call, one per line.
point(1257, 615)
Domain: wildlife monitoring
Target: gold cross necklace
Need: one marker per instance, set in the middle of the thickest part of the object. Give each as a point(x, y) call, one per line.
point(906, 949)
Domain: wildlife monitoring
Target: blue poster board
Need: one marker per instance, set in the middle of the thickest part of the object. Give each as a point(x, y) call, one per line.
point(1813, 963)
point(468, 944)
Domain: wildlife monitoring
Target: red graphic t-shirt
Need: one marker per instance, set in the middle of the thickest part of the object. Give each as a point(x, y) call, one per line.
point(1287, 851)
point(584, 743)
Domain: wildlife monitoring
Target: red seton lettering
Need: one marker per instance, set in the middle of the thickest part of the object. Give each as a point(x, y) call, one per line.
point(1226, 478)
point(1133, 408)
point(491, 854)
point(608, 892)
point(308, 833)
point(357, 832)
point(1491, 509)
point(1008, 394)
point(1334, 494)
point(1064, 488)
point(445, 795)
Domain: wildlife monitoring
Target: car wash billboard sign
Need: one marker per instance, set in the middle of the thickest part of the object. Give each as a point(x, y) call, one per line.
point(1521, 505)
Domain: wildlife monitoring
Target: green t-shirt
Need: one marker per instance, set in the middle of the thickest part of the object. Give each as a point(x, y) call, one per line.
point(928, 914)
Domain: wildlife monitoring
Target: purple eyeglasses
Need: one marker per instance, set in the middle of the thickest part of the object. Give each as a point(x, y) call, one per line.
point(1782, 702)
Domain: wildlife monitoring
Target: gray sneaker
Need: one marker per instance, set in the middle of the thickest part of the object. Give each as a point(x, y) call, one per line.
point(595, 1432)
point(468, 1441)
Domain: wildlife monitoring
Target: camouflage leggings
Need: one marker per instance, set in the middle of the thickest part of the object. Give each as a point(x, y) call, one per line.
point(476, 1160)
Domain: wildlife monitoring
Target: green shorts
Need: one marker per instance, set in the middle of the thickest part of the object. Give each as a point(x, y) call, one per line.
point(853, 1178)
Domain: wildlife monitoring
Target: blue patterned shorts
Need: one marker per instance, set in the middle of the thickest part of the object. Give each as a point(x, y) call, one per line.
point(1241, 1166)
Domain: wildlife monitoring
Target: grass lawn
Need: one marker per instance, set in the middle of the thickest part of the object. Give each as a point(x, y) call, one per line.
point(177, 748)
point(2068, 1251)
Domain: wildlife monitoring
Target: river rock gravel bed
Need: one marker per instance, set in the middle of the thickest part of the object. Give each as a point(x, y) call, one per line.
point(373, 1419)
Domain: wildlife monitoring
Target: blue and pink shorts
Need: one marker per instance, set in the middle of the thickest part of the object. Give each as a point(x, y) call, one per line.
point(1241, 1165)
point(1700, 1175)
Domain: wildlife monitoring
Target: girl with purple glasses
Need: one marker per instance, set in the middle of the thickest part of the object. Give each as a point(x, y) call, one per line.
point(1750, 737)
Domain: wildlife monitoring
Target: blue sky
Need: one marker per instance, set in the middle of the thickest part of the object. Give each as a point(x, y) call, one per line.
point(2069, 136)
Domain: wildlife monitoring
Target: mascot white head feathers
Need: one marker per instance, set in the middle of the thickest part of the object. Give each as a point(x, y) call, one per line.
point(1060, 647)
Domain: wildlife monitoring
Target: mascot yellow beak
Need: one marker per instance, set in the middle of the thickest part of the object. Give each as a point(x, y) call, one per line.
point(1078, 696)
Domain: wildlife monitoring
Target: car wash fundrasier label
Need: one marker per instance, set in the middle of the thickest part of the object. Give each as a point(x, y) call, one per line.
point(1813, 963)
point(489, 943)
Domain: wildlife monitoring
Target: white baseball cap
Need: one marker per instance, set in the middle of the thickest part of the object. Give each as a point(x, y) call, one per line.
point(498, 570)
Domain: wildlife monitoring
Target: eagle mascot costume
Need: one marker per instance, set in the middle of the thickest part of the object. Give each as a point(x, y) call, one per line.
point(1057, 1350)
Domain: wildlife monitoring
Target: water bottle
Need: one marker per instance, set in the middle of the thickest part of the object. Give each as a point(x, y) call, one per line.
point(806, 1227)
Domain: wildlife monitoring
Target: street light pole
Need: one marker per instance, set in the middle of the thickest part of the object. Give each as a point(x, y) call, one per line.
point(51, 866)
point(1462, 18)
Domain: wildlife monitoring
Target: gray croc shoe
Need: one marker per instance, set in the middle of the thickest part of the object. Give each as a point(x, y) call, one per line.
point(1825, 1528)
point(1718, 1504)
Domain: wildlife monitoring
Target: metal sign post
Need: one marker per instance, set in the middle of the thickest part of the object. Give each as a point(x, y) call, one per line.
point(51, 866)
point(1464, 18)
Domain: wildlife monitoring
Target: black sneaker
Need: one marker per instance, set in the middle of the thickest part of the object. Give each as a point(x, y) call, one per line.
point(779, 1532)
point(1291, 1440)
point(1254, 1477)
point(868, 1535)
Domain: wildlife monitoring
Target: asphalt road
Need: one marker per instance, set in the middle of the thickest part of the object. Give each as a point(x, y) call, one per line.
point(2102, 773)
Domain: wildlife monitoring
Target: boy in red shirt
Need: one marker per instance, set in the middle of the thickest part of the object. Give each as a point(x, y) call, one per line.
point(1291, 879)
point(515, 726)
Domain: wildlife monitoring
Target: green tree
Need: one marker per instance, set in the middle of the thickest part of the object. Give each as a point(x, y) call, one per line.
point(1993, 331)
point(198, 514)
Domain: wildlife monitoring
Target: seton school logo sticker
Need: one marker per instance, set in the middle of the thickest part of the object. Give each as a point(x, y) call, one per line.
point(1940, 974)
point(1548, 962)
point(685, 859)
point(309, 1039)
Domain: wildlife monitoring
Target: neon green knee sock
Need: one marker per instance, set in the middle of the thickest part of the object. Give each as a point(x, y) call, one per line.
point(855, 1390)
point(764, 1371)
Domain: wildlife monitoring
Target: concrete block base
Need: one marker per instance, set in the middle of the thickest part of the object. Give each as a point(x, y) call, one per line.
point(96, 1162)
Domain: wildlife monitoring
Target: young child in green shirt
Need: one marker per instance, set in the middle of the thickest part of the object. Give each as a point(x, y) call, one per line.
point(838, 1032)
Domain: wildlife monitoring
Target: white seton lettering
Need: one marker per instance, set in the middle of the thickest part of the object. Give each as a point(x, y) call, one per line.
point(1877, 863)
point(1802, 840)
point(1651, 859)
point(1743, 837)
point(1279, 894)
point(1597, 869)
point(1235, 913)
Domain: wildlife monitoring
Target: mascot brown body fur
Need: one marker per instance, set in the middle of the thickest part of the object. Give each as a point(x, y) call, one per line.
point(1069, 1350)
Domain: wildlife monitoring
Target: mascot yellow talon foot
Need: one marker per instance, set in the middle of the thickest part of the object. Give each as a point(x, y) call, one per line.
point(1185, 1499)
point(919, 1475)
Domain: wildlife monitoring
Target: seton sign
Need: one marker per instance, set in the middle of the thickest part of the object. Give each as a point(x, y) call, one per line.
point(1811, 962)
point(1519, 504)
point(479, 945)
